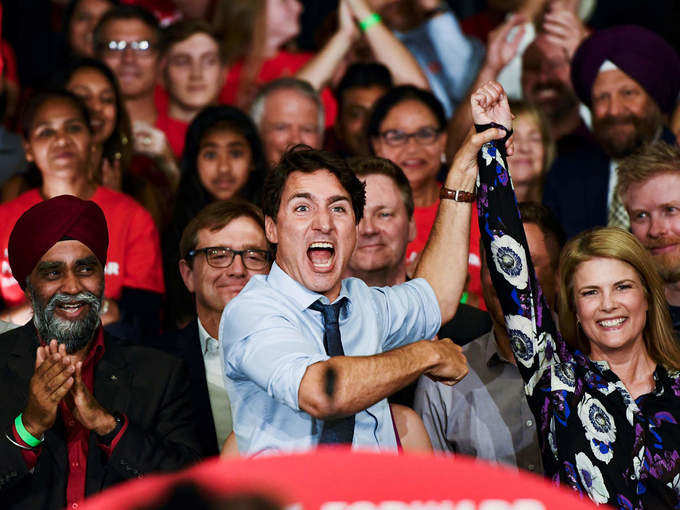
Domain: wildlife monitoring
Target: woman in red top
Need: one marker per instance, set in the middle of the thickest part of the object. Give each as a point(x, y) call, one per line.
point(256, 35)
point(59, 140)
point(408, 126)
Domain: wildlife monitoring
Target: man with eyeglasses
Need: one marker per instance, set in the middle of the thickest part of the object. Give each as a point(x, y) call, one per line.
point(127, 40)
point(220, 249)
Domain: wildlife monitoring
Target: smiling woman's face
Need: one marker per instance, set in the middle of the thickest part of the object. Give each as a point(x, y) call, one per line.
point(419, 161)
point(611, 306)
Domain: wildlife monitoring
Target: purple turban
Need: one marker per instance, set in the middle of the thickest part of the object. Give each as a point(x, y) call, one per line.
point(49, 222)
point(640, 53)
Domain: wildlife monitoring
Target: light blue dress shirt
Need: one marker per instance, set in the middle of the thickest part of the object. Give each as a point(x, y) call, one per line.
point(269, 337)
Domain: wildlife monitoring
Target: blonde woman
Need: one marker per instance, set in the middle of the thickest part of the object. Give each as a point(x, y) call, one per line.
point(605, 392)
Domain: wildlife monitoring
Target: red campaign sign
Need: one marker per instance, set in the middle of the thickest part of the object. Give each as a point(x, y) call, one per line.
point(337, 479)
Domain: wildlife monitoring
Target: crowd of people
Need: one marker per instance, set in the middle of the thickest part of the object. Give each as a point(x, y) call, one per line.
point(433, 233)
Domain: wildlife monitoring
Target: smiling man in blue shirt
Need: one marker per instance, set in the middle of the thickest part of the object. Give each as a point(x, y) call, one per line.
point(276, 366)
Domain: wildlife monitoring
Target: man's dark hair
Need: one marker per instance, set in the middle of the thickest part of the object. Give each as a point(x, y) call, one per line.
point(302, 158)
point(363, 74)
point(543, 218)
point(394, 97)
point(126, 12)
point(182, 30)
point(373, 165)
point(215, 217)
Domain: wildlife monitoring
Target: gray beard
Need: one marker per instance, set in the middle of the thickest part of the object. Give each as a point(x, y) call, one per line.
point(75, 334)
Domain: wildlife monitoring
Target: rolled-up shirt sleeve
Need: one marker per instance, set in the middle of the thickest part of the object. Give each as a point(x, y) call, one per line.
point(268, 350)
point(410, 312)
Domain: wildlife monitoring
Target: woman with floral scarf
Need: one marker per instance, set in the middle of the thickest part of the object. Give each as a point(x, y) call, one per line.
point(605, 388)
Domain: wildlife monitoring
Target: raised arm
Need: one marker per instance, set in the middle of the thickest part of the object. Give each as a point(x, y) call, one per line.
point(528, 319)
point(387, 49)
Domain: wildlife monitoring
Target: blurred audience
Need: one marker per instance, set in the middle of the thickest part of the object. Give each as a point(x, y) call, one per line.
point(128, 39)
point(534, 152)
point(360, 87)
point(383, 46)
point(223, 158)
point(629, 94)
point(431, 32)
point(80, 19)
point(111, 160)
point(58, 141)
point(193, 68)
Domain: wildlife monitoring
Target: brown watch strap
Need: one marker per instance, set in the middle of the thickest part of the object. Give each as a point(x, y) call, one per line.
point(457, 195)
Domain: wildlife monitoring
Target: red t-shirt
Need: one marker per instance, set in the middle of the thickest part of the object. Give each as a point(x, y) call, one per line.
point(175, 131)
point(133, 259)
point(283, 64)
point(424, 218)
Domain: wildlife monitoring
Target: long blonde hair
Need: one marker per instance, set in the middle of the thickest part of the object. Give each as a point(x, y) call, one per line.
point(616, 243)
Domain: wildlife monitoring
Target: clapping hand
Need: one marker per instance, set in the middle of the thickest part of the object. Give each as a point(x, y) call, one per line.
point(51, 380)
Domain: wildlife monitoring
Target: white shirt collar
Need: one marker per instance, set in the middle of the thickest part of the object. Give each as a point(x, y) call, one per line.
point(208, 343)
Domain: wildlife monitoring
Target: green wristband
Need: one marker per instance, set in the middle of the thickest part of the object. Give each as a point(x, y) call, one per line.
point(464, 297)
point(24, 434)
point(369, 21)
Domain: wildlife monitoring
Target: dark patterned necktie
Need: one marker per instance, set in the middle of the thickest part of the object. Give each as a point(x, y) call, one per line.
point(340, 430)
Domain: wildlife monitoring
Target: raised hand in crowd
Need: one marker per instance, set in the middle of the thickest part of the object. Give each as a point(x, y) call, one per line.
point(563, 27)
point(501, 48)
point(386, 48)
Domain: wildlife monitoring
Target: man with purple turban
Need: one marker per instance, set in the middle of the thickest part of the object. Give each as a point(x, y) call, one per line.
point(629, 77)
point(80, 410)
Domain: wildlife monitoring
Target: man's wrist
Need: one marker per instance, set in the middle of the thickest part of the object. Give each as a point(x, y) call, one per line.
point(106, 425)
point(31, 427)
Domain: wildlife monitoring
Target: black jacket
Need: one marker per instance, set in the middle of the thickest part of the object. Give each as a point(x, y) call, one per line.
point(150, 387)
point(186, 345)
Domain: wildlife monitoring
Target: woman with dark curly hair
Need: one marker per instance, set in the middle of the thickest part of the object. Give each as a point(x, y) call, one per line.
point(223, 158)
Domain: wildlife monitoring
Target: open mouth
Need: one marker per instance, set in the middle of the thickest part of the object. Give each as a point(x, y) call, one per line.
point(321, 255)
point(612, 323)
point(71, 309)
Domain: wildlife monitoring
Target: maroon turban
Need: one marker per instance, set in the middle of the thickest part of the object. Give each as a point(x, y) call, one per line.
point(51, 221)
point(640, 53)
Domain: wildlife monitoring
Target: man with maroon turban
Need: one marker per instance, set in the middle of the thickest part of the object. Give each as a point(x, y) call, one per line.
point(629, 77)
point(81, 411)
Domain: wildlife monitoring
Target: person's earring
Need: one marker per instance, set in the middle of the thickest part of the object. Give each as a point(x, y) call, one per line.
point(443, 159)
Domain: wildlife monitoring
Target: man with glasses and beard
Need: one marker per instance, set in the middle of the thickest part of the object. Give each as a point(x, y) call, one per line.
point(80, 410)
point(630, 78)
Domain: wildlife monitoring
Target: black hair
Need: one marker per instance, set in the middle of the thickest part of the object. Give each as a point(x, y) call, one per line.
point(68, 18)
point(363, 74)
point(32, 173)
point(192, 196)
point(302, 158)
point(126, 12)
point(118, 145)
point(36, 101)
point(396, 96)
